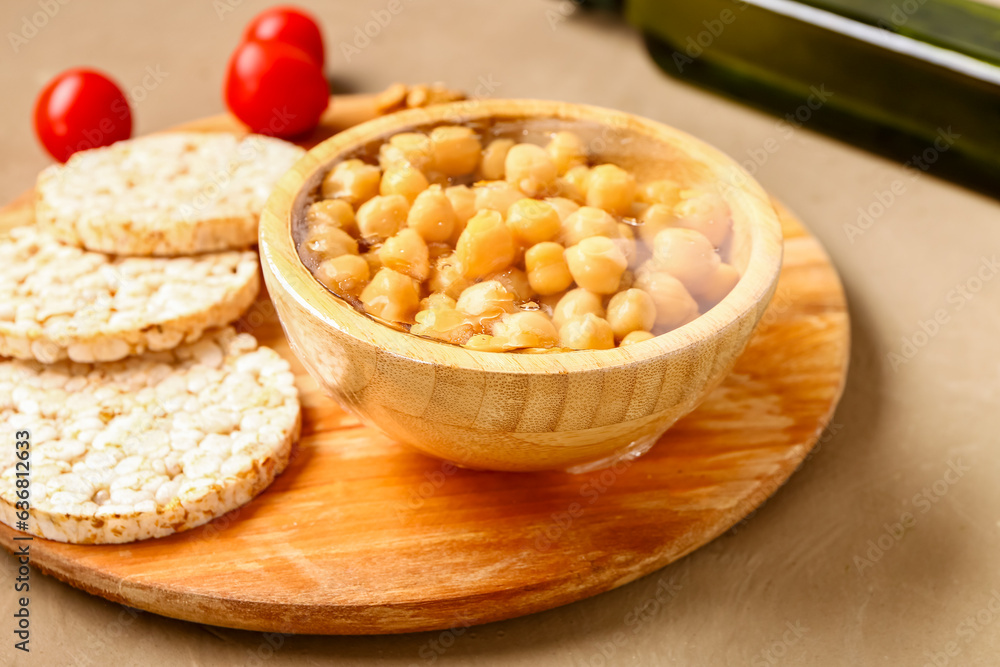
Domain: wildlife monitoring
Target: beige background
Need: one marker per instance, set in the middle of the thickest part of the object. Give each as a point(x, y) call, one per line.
point(794, 564)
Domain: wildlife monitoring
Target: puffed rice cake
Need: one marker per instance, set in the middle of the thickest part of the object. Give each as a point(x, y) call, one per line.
point(147, 446)
point(176, 193)
point(59, 302)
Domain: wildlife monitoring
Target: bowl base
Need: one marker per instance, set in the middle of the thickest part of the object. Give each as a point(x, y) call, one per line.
point(626, 454)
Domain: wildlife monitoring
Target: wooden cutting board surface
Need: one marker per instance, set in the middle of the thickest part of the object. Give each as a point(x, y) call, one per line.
point(362, 536)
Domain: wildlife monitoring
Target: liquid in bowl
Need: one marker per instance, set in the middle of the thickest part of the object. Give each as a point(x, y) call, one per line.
point(512, 237)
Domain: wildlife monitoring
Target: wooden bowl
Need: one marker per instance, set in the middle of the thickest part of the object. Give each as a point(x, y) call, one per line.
point(508, 411)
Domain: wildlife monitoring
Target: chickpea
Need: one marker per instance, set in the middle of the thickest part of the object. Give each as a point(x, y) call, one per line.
point(486, 246)
point(686, 255)
point(330, 242)
point(437, 300)
point(402, 179)
point(412, 148)
point(486, 300)
point(575, 303)
point(516, 281)
point(382, 216)
point(346, 274)
point(626, 241)
point(564, 207)
point(331, 213)
point(443, 323)
point(437, 178)
point(635, 337)
point(637, 209)
point(707, 213)
point(436, 249)
point(533, 221)
point(631, 310)
point(484, 343)
point(674, 305)
point(353, 181)
point(491, 168)
point(579, 176)
point(406, 252)
point(463, 203)
point(586, 222)
point(446, 277)
point(587, 332)
point(373, 260)
point(315, 233)
point(655, 219)
point(612, 188)
point(541, 253)
point(525, 329)
point(456, 150)
point(548, 302)
point(391, 296)
point(567, 190)
point(432, 216)
point(529, 168)
point(566, 150)
point(596, 264)
point(627, 281)
point(663, 191)
point(717, 286)
point(496, 196)
point(547, 270)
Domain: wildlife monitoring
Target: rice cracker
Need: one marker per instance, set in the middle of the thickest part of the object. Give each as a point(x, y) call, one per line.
point(175, 193)
point(59, 302)
point(147, 446)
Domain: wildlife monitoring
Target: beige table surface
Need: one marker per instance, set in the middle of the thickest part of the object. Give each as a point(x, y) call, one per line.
point(787, 587)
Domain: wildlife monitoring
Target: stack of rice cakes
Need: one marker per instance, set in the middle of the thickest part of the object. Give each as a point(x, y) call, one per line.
point(148, 413)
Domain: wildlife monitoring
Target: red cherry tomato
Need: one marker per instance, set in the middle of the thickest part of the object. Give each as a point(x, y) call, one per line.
point(81, 109)
point(290, 25)
point(275, 88)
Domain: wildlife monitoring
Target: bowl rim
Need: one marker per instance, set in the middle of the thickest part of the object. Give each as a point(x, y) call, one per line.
point(280, 259)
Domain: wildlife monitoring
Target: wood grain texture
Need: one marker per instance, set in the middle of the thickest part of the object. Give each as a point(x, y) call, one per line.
point(525, 412)
point(361, 535)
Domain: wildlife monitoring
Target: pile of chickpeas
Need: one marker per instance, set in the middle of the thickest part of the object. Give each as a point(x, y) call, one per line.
point(515, 245)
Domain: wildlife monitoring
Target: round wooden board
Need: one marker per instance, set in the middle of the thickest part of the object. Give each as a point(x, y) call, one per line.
point(362, 536)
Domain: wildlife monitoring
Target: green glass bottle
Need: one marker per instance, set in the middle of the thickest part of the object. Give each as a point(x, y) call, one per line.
point(916, 80)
